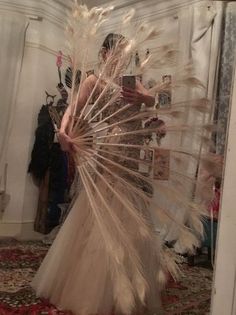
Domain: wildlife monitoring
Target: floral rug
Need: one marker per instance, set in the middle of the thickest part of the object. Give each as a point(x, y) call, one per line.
point(20, 260)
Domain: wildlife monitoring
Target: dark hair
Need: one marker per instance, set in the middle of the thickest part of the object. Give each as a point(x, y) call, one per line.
point(111, 40)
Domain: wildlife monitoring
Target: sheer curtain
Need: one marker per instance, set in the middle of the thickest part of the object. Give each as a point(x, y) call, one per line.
point(12, 37)
point(204, 50)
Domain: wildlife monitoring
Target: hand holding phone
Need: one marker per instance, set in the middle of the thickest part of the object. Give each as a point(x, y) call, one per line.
point(129, 91)
point(129, 81)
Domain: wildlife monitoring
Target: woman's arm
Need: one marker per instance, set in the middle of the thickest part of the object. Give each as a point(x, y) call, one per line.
point(85, 90)
point(65, 119)
point(138, 96)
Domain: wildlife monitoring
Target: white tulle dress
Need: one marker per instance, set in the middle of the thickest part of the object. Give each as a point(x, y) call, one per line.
point(104, 263)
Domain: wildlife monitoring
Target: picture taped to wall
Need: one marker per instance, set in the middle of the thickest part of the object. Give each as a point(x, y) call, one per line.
point(165, 96)
point(147, 156)
point(161, 164)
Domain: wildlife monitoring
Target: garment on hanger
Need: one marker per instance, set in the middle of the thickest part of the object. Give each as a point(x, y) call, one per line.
point(49, 165)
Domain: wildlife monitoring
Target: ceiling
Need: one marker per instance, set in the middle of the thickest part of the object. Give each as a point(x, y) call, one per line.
point(89, 3)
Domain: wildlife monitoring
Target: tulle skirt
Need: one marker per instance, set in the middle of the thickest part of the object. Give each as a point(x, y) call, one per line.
point(77, 275)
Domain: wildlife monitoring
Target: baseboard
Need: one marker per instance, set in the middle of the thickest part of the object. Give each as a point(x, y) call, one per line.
point(19, 230)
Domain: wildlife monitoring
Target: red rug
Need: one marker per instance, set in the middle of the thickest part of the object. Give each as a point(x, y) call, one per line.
point(20, 260)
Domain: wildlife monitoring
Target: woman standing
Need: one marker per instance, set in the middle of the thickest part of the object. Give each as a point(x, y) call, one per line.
point(81, 272)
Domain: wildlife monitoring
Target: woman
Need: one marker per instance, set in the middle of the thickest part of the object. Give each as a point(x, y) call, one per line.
point(96, 266)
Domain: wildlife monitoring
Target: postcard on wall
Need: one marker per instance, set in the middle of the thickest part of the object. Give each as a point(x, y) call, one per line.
point(147, 156)
point(165, 96)
point(161, 164)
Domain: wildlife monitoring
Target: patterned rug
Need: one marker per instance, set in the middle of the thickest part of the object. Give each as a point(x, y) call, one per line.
point(20, 260)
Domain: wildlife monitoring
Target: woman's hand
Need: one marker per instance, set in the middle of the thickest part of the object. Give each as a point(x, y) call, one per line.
point(137, 97)
point(66, 142)
point(132, 96)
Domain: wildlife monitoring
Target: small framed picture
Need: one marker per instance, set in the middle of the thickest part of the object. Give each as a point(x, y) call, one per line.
point(165, 96)
point(161, 164)
point(146, 155)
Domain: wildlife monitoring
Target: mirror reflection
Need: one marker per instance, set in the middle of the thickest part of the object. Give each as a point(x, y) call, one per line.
point(113, 137)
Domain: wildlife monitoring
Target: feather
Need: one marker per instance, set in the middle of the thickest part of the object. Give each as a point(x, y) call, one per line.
point(123, 293)
point(168, 262)
point(190, 82)
point(143, 27)
point(161, 278)
point(195, 223)
point(187, 241)
point(140, 286)
point(128, 16)
point(212, 164)
point(145, 62)
point(153, 33)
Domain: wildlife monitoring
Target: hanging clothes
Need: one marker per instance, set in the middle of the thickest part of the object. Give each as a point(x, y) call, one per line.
point(49, 167)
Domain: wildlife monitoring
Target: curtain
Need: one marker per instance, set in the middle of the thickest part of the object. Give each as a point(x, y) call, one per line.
point(12, 36)
point(226, 72)
point(204, 50)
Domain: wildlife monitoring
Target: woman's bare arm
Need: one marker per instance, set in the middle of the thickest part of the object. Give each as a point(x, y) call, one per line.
point(85, 90)
point(138, 96)
point(148, 99)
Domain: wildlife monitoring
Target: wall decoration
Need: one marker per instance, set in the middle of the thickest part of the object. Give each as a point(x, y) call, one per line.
point(165, 97)
point(137, 60)
point(146, 154)
point(161, 164)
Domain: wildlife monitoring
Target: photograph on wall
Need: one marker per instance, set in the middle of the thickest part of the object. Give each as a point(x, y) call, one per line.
point(146, 155)
point(161, 164)
point(165, 97)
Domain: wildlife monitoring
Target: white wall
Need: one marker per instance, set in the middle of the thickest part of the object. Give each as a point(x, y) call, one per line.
point(39, 73)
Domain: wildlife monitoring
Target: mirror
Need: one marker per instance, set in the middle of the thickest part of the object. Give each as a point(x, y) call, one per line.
point(39, 182)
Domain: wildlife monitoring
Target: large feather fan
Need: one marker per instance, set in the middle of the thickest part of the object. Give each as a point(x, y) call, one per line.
point(109, 156)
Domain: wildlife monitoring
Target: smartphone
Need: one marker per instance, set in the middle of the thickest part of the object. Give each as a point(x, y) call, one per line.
point(129, 81)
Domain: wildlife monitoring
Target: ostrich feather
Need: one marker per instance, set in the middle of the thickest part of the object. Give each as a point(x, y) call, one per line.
point(163, 216)
point(169, 262)
point(195, 223)
point(188, 241)
point(161, 278)
point(122, 286)
point(123, 292)
point(189, 81)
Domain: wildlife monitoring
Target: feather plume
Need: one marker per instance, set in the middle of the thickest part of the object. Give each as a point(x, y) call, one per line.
point(189, 81)
point(128, 17)
point(169, 262)
point(141, 287)
point(187, 241)
point(161, 278)
point(123, 293)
